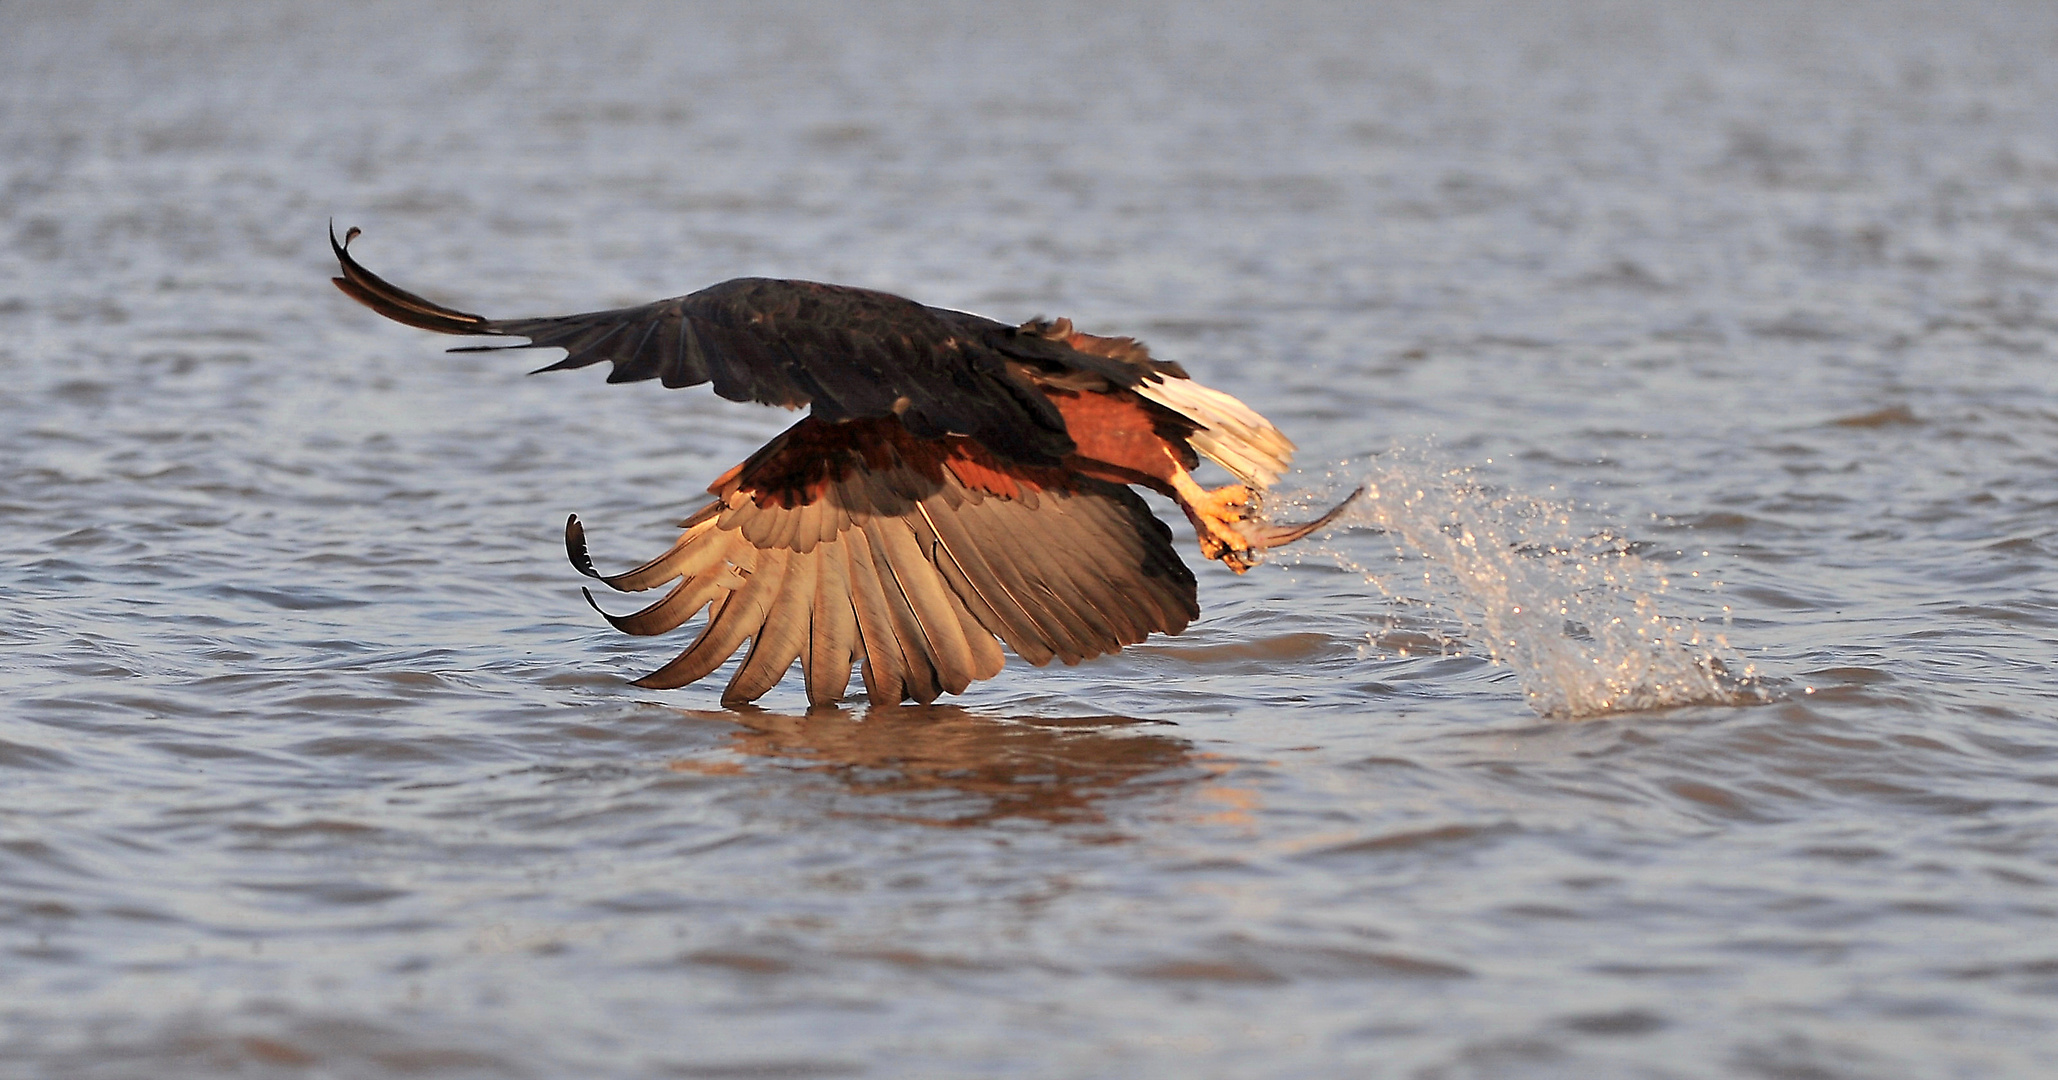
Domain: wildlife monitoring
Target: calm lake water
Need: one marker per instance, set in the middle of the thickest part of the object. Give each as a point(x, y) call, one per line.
point(1681, 705)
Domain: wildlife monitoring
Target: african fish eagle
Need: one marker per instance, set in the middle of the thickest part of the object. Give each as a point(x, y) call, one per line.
point(956, 480)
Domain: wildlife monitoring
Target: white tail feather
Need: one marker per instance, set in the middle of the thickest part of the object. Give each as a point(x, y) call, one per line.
point(1233, 435)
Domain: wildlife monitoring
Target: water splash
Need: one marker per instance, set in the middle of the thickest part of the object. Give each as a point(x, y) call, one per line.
point(1586, 622)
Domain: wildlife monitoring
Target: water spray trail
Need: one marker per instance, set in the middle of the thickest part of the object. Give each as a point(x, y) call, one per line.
point(1578, 615)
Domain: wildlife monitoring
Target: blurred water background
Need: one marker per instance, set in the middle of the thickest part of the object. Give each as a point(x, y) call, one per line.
point(1732, 322)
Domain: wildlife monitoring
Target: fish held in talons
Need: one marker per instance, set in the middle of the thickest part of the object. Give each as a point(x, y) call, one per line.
point(1237, 533)
point(1263, 535)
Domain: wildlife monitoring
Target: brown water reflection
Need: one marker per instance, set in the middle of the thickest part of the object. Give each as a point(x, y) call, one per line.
point(1042, 768)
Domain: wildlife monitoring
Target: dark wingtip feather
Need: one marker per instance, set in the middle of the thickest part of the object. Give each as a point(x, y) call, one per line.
point(619, 622)
point(575, 548)
point(394, 302)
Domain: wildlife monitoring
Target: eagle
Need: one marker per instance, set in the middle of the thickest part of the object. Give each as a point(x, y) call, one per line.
point(957, 483)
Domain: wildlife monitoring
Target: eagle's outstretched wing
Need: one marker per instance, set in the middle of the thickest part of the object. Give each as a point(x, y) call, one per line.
point(846, 353)
point(859, 542)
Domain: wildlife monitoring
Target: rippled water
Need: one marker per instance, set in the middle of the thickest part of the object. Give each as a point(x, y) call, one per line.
point(1734, 324)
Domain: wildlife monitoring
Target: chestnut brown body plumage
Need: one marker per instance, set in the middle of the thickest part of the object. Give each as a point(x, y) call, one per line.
point(958, 480)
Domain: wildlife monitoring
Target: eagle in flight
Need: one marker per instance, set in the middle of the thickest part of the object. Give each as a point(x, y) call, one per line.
point(956, 480)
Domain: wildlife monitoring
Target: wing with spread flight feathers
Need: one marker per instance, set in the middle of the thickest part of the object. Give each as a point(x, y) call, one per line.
point(858, 542)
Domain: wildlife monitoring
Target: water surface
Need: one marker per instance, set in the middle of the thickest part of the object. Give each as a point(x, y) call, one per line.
point(1735, 324)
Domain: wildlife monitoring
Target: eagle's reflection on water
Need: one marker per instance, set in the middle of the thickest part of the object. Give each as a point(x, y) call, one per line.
point(944, 765)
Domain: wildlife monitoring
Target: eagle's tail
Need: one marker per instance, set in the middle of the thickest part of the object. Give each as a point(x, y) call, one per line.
point(1232, 434)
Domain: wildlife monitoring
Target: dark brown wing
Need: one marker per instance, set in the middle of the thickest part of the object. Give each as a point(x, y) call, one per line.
point(858, 542)
point(847, 353)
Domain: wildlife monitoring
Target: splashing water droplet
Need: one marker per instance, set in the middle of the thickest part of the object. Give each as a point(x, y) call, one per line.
point(1581, 618)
